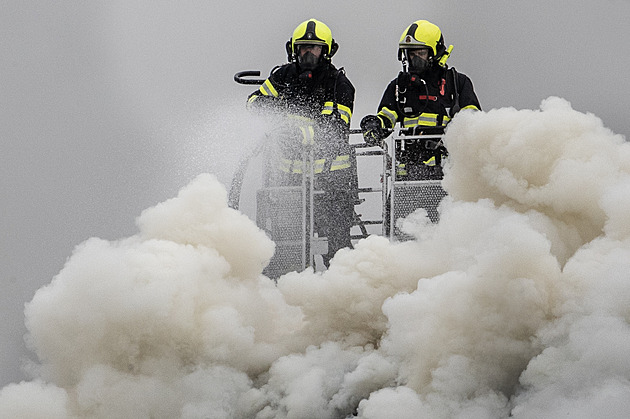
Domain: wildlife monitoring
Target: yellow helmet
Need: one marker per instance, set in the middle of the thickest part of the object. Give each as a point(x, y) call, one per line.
point(312, 32)
point(422, 33)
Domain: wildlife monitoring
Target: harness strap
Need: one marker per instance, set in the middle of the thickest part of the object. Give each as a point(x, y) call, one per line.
point(456, 107)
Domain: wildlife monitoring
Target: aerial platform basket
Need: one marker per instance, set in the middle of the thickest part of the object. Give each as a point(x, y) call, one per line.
point(286, 213)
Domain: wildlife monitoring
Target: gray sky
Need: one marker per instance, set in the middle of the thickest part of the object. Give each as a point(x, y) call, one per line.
point(109, 107)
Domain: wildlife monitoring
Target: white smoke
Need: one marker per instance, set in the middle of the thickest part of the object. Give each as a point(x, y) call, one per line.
point(516, 304)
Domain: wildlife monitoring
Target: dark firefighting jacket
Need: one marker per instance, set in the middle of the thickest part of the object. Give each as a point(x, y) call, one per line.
point(419, 103)
point(429, 101)
point(318, 106)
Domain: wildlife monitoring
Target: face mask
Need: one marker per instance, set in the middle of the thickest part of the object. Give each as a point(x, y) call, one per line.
point(417, 65)
point(308, 61)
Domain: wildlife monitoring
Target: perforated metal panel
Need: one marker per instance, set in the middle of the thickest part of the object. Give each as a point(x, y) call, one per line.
point(279, 214)
point(411, 195)
point(288, 258)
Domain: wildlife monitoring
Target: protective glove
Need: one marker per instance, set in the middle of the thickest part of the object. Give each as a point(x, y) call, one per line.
point(373, 131)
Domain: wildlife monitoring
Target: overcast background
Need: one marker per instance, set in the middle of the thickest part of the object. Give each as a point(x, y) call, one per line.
point(109, 107)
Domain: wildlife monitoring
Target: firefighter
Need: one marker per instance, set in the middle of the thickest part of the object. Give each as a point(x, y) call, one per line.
point(315, 101)
point(423, 99)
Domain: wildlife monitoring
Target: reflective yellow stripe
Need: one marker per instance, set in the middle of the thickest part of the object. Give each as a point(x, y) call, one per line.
point(302, 120)
point(308, 134)
point(471, 107)
point(318, 165)
point(430, 162)
point(344, 111)
point(425, 119)
point(389, 114)
point(340, 162)
point(328, 108)
point(296, 166)
point(267, 89)
point(285, 165)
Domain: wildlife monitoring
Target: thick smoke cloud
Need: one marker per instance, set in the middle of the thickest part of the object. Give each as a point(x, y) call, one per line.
point(516, 304)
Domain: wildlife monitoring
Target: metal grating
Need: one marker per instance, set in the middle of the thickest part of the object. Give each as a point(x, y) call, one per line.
point(288, 258)
point(411, 195)
point(279, 214)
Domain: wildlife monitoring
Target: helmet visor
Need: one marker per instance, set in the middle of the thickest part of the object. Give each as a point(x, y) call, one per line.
point(315, 49)
point(423, 53)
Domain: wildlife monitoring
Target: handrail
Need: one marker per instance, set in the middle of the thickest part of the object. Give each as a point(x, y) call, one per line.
point(241, 77)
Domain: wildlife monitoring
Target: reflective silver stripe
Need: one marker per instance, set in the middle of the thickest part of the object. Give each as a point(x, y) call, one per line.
point(409, 122)
point(308, 134)
point(389, 114)
point(318, 165)
point(299, 119)
point(340, 162)
point(328, 108)
point(344, 108)
point(297, 166)
point(344, 111)
point(285, 165)
point(267, 89)
point(345, 115)
point(429, 119)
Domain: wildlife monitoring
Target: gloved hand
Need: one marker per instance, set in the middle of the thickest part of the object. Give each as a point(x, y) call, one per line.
point(373, 131)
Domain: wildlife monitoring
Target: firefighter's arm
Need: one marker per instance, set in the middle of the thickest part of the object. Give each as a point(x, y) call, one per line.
point(339, 109)
point(272, 93)
point(337, 115)
point(467, 96)
point(265, 96)
point(377, 127)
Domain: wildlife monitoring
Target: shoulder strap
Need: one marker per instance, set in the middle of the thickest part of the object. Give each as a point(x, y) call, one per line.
point(335, 77)
point(455, 108)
